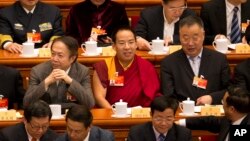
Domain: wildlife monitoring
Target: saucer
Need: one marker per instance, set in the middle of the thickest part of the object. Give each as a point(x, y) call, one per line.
point(94, 54)
point(120, 116)
point(28, 55)
point(157, 53)
point(58, 117)
point(182, 114)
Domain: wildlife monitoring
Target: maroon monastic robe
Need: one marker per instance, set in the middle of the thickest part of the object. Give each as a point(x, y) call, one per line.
point(141, 82)
point(85, 15)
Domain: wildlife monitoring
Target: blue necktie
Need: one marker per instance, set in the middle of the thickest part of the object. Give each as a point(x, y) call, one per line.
point(161, 137)
point(235, 29)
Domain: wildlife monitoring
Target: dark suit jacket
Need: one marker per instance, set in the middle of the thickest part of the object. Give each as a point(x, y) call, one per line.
point(151, 24)
point(18, 133)
point(96, 134)
point(213, 14)
point(242, 74)
point(14, 22)
point(219, 125)
point(80, 88)
point(11, 86)
point(145, 132)
point(177, 75)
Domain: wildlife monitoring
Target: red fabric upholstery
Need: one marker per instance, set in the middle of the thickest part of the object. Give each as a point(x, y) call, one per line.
point(209, 138)
point(133, 21)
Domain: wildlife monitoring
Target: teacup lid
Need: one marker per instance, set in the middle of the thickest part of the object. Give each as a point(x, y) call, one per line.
point(157, 40)
point(121, 102)
point(188, 100)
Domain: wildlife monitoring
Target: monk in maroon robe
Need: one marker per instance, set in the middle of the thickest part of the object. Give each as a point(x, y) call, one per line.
point(92, 13)
point(125, 76)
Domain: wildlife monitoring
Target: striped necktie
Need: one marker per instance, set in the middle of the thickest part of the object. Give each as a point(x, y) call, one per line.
point(235, 28)
point(161, 137)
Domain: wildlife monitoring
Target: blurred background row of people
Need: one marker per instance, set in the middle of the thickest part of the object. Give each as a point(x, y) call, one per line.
point(91, 16)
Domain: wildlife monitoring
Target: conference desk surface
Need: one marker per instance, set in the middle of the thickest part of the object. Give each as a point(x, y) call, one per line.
point(15, 60)
point(103, 118)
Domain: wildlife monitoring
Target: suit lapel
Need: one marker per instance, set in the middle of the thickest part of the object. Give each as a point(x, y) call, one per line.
point(22, 135)
point(160, 27)
point(244, 12)
point(185, 63)
point(37, 18)
point(149, 132)
point(205, 61)
point(246, 120)
point(171, 135)
point(21, 16)
point(221, 17)
point(225, 125)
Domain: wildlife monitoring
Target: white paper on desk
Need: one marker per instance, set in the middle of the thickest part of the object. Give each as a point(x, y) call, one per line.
point(197, 109)
point(130, 109)
point(233, 46)
point(36, 51)
point(99, 50)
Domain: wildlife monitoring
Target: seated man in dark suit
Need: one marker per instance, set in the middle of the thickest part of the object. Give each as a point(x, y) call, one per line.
point(247, 35)
point(162, 127)
point(62, 79)
point(35, 126)
point(218, 17)
point(11, 87)
point(161, 21)
point(236, 105)
point(79, 127)
point(241, 75)
point(195, 71)
point(26, 16)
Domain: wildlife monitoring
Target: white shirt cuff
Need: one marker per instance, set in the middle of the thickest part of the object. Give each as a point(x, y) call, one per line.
point(6, 44)
point(182, 122)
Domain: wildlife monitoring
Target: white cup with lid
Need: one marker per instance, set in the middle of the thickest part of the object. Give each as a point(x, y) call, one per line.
point(157, 46)
point(120, 108)
point(28, 48)
point(187, 107)
point(90, 48)
point(221, 44)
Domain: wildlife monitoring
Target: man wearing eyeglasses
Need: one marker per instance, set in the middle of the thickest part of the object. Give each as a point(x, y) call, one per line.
point(162, 127)
point(79, 127)
point(195, 72)
point(161, 21)
point(35, 126)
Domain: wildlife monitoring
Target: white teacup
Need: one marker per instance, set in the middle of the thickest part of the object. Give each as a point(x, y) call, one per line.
point(90, 47)
point(221, 45)
point(157, 46)
point(28, 48)
point(56, 110)
point(120, 108)
point(187, 107)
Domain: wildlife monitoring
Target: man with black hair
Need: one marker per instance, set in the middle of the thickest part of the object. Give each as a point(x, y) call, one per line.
point(162, 127)
point(35, 126)
point(79, 127)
